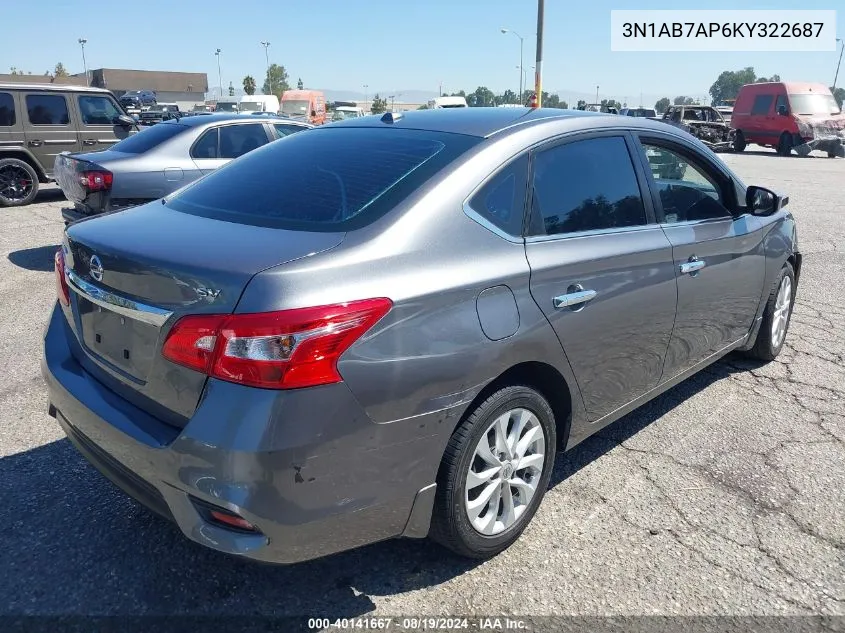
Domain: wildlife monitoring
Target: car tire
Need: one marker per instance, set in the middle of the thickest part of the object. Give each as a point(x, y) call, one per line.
point(739, 141)
point(464, 519)
point(776, 317)
point(831, 155)
point(15, 175)
point(785, 144)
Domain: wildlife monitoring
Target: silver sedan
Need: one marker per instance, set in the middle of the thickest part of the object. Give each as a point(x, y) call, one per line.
point(161, 159)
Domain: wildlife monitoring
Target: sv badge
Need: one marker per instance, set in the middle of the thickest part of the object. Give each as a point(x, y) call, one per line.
point(207, 293)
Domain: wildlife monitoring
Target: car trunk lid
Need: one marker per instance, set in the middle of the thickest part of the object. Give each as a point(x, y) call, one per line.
point(69, 168)
point(132, 281)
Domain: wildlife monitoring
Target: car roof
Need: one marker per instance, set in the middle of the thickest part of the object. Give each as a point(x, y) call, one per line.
point(227, 116)
point(480, 122)
point(51, 88)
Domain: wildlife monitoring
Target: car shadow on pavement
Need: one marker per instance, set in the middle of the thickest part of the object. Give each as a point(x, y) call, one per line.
point(39, 259)
point(74, 543)
point(49, 194)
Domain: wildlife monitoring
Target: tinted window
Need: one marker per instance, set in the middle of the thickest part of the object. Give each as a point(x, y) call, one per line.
point(237, 140)
point(687, 191)
point(98, 110)
point(47, 110)
point(333, 179)
point(7, 109)
point(781, 102)
point(148, 138)
point(762, 104)
point(584, 186)
point(206, 146)
point(283, 129)
point(501, 201)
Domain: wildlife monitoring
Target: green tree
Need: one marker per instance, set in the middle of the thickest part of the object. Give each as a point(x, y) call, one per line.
point(839, 95)
point(610, 103)
point(276, 80)
point(299, 84)
point(764, 80)
point(461, 93)
point(581, 104)
point(60, 71)
point(481, 97)
point(249, 85)
point(682, 100)
point(662, 105)
point(729, 82)
point(508, 96)
point(379, 105)
point(15, 71)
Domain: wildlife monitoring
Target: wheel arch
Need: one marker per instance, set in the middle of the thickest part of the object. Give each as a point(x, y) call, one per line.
point(26, 157)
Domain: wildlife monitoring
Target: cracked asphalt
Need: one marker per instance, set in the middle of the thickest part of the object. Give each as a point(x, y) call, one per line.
point(725, 496)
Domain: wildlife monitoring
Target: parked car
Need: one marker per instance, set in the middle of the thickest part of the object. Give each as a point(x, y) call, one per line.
point(259, 103)
point(704, 122)
point(160, 112)
point(364, 332)
point(342, 113)
point(138, 99)
point(226, 105)
point(787, 116)
point(39, 121)
point(649, 113)
point(160, 160)
point(447, 102)
point(308, 105)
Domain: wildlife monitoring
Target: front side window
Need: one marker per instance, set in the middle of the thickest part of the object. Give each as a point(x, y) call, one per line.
point(98, 110)
point(687, 192)
point(781, 104)
point(47, 110)
point(237, 140)
point(501, 201)
point(7, 110)
point(762, 104)
point(587, 185)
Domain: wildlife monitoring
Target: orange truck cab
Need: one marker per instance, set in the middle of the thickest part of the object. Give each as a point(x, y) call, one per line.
point(309, 105)
point(787, 116)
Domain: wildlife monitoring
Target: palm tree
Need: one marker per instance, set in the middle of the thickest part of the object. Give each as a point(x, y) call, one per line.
point(249, 85)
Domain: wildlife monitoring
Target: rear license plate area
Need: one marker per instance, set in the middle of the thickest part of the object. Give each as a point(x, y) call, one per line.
point(121, 341)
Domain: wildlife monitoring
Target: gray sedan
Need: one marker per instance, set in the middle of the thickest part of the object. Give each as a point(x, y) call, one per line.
point(161, 159)
point(390, 326)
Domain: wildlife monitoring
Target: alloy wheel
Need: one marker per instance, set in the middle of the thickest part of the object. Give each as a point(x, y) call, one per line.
point(504, 472)
point(783, 305)
point(15, 183)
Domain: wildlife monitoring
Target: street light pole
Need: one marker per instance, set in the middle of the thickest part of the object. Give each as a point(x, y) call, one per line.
point(82, 43)
point(597, 94)
point(538, 72)
point(839, 62)
point(219, 75)
point(521, 73)
point(266, 46)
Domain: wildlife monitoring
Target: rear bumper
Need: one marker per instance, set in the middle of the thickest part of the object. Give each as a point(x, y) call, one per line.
point(308, 468)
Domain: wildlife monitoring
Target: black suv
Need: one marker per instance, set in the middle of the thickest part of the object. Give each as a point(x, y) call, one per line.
point(138, 98)
point(40, 121)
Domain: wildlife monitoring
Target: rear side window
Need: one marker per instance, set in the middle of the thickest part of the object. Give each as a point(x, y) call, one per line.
point(284, 129)
point(47, 110)
point(206, 146)
point(237, 140)
point(585, 185)
point(762, 104)
point(501, 201)
point(149, 138)
point(7, 110)
point(332, 179)
point(98, 110)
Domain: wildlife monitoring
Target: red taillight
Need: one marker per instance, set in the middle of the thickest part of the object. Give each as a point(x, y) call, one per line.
point(277, 350)
point(62, 290)
point(99, 180)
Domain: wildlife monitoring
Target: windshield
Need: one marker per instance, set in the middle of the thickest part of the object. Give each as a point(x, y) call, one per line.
point(335, 179)
point(227, 106)
point(250, 106)
point(299, 106)
point(149, 138)
point(339, 115)
point(642, 112)
point(814, 104)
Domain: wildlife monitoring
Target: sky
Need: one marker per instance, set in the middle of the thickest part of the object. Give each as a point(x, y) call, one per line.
point(389, 45)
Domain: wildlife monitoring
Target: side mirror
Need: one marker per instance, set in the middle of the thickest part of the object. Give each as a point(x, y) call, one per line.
point(783, 110)
point(762, 201)
point(313, 113)
point(124, 120)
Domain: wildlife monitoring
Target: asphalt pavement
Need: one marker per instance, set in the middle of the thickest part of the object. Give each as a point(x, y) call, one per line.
point(725, 496)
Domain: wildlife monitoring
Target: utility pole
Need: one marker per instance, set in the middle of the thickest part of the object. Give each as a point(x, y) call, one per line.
point(266, 46)
point(538, 71)
point(597, 94)
point(839, 62)
point(219, 75)
point(83, 42)
point(365, 92)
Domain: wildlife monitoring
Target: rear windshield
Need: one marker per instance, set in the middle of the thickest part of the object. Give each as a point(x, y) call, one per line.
point(148, 138)
point(331, 179)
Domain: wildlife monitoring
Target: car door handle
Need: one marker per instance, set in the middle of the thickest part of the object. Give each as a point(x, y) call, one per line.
point(36, 143)
point(89, 141)
point(574, 298)
point(693, 266)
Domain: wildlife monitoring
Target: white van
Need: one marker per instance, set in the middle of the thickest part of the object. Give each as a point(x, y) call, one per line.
point(258, 103)
point(447, 102)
